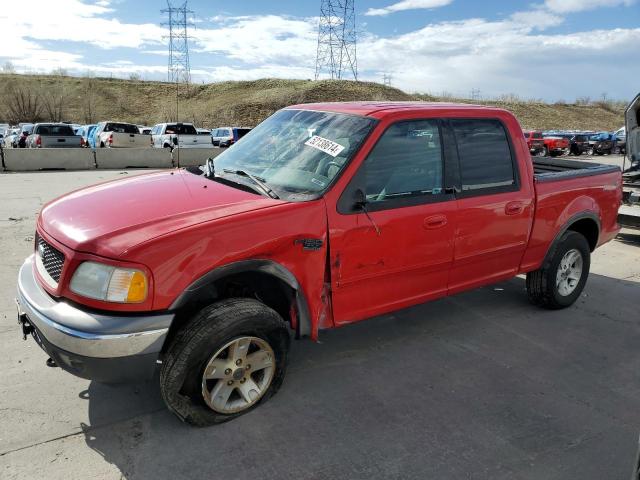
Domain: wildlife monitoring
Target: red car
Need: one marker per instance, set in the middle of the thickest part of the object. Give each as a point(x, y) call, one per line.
point(555, 145)
point(324, 215)
point(535, 142)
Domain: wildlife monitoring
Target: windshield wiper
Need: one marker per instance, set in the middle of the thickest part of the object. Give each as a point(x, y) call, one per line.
point(257, 180)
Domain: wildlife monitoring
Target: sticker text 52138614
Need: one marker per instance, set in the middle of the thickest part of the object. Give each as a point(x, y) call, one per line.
point(325, 145)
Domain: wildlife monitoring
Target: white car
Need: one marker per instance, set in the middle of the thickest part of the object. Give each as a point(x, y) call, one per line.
point(181, 135)
point(227, 136)
point(119, 135)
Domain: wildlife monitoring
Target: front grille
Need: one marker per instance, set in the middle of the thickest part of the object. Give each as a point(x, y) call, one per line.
point(52, 259)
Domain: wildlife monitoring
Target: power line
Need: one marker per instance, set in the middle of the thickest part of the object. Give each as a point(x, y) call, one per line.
point(336, 54)
point(179, 69)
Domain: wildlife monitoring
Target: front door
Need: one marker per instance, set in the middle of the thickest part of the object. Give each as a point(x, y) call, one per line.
point(396, 249)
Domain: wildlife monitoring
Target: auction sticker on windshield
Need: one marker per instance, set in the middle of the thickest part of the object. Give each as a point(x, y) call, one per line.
point(325, 145)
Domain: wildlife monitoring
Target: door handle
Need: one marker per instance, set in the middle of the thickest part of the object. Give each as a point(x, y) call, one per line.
point(513, 208)
point(435, 221)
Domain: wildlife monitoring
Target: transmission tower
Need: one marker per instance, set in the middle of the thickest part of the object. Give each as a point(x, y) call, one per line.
point(336, 54)
point(179, 70)
point(386, 79)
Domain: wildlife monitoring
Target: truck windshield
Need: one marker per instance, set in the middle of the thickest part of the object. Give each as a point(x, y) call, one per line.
point(297, 152)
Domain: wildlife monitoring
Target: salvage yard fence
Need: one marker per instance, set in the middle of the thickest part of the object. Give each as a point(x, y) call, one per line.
point(28, 159)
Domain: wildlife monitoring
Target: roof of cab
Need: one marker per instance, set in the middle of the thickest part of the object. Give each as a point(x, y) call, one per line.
point(379, 109)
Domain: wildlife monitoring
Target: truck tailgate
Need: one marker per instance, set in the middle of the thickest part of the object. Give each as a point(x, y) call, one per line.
point(124, 140)
point(59, 142)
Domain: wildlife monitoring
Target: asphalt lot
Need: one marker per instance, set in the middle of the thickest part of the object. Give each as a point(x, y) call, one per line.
point(480, 386)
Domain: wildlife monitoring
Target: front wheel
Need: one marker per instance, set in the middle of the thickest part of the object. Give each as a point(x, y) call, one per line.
point(228, 359)
point(561, 279)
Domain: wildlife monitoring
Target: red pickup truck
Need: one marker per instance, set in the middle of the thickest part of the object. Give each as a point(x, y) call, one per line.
point(535, 142)
point(555, 145)
point(324, 215)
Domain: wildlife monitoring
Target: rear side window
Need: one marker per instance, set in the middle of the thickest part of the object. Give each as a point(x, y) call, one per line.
point(55, 130)
point(406, 161)
point(484, 154)
point(181, 129)
point(121, 128)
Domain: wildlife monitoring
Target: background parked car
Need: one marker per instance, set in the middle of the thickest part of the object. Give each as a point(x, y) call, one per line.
point(555, 145)
point(119, 135)
point(621, 140)
point(53, 135)
point(11, 138)
point(602, 143)
point(25, 131)
point(227, 136)
point(85, 132)
point(535, 142)
point(182, 135)
point(144, 130)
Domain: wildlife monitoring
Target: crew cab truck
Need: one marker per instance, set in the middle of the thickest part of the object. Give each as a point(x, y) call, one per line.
point(119, 135)
point(181, 135)
point(322, 216)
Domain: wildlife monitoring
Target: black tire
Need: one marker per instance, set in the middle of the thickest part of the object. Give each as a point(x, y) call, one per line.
point(101, 144)
point(193, 346)
point(546, 151)
point(541, 283)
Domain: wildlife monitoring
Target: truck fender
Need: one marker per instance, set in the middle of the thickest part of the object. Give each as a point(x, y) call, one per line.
point(567, 226)
point(269, 267)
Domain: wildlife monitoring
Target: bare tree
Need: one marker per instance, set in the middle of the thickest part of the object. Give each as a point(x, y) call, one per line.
point(23, 104)
point(89, 99)
point(54, 101)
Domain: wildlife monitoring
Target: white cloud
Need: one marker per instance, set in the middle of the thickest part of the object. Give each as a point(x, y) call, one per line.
point(502, 56)
point(407, 5)
point(567, 6)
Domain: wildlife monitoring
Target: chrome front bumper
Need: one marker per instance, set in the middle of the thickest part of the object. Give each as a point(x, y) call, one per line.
point(87, 334)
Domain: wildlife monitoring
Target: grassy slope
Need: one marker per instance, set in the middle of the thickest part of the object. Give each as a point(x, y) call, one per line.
point(248, 102)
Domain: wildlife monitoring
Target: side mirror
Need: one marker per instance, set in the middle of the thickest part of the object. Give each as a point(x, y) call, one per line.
point(359, 200)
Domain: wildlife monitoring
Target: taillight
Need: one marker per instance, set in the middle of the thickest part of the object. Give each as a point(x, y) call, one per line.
point(38, 140)
point(110, 141)
point(81, 141)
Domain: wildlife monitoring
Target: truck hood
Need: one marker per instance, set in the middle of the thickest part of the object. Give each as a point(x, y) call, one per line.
point(109, 218)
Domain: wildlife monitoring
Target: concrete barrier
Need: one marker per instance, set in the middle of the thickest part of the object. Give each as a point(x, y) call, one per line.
point(116, 158)
point(29, 159)
point(188, 157)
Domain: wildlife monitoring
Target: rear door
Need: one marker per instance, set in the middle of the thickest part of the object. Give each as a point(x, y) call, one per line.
point(495, 204)
point(398, 252)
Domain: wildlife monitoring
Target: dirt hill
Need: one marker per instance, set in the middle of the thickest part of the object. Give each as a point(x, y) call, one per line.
point(88, 100)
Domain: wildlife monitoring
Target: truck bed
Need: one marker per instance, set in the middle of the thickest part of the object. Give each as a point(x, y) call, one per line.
point(547, 169)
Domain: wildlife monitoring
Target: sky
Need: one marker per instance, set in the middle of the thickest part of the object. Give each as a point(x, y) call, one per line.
point(549, 49)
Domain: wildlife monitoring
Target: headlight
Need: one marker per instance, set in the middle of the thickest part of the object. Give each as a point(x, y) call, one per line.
point(110, 284)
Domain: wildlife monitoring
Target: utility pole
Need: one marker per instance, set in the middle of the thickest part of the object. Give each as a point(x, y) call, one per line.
point(336, 54)
point(179, 70)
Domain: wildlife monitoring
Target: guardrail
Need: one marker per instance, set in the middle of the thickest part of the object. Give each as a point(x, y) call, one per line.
point(34, 159)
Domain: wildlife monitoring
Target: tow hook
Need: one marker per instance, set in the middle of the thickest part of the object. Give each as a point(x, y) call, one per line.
point(51, 363)
point(27, 328)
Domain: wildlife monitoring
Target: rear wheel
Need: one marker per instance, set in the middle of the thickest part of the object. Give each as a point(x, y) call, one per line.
point(226, 361)
point(561, 279)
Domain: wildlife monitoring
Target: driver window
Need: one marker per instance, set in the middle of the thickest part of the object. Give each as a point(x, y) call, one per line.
point(406, 161)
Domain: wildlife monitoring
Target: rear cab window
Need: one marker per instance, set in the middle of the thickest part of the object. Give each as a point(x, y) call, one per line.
point(485, 157)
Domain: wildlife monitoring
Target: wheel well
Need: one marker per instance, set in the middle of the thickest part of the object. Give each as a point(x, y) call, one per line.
point(266, 288)
point(588, 228)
